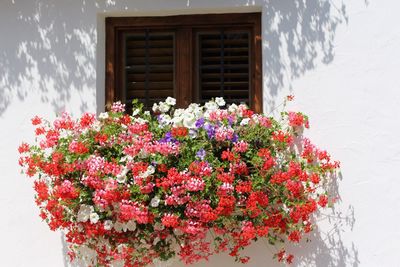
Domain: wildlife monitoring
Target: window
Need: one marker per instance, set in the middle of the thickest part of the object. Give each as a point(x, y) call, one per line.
point(191, 57)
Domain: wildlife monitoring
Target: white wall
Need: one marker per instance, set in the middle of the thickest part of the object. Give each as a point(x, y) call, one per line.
point(341, 60)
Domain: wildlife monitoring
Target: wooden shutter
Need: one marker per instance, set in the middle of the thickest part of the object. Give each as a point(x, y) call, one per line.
point(223, 66)
point(190, 57)
point(149, 67)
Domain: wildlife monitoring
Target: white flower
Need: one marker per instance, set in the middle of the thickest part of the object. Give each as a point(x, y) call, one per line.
point(155, 107)
point(178, 112)
point(140, 120)
point(135, 112)
point(177, 121)
point(193, 133)
point(121, 178)
point(164, 107)
point(150, 169)
point(170, 101)
point(165, 119)
point(103, 115)
point(193, 106)
point(96, 126)
point(147, 113)
point(84, 212)
point(108, 225)
point(232, 108)
point(131, 225)
point(94, 217)
point(189, 121)
point(211, 106)
point(245, 121)
point(220, 101)
point(155, 201)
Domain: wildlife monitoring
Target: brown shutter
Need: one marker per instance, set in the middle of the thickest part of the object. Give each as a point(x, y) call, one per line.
point(191, 57)
point(149, 67)
point(223, 66)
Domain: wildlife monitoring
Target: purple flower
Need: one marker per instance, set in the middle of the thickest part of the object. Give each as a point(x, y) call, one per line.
point(235, 138)
point(201, 154)
point(199, 123)
point(167, 138)
point(210, 130)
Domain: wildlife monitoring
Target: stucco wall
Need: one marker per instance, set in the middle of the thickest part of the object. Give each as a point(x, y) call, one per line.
point(340, 60)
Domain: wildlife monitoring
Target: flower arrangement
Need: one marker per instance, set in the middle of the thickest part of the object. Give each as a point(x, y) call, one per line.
point(188, 183)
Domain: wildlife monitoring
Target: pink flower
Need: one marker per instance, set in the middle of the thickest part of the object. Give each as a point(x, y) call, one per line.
point(195, 184)
point(118, 107)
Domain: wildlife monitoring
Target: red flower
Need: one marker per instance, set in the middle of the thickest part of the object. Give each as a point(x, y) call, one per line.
point(42, 190)
point(289, 258)
point(294, 236)
point(24, 147)
point(179, 131)
point(36, 120)
point(170, 220)
point(228, 155)
point(323, 200)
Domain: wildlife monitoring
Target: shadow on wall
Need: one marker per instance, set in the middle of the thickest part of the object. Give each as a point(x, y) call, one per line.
point(297, 35)
point(325, 247)
point(47, 48)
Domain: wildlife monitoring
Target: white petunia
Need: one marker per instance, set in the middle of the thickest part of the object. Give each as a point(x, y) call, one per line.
point(178, 112)
point(121, 178)
point(103, 115)
point(189, 121)
point(135, 112)
point(94, 217)
point(177, 121)
point(245, 121)
point(163, 107)
point(232, 108)
point(220, 101)
point(96, 126)
point(165, 119)
point(155, 201)
point(108, 225)
point(84, 212)
point(140, 120)
point(155, 107)
point(211, 106)
point(150, 169)
point(170, 101)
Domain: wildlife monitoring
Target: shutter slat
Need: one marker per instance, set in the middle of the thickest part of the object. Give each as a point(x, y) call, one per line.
point(152, 60)
point(150, 85)
point(217, 84)
point(151, 93)
point(139, 52)
point(156, 77)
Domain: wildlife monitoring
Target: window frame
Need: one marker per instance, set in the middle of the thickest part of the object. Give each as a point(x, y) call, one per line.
point(185, 28)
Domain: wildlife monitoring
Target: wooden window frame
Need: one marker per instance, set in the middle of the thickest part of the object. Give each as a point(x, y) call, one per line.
point(185, 57)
